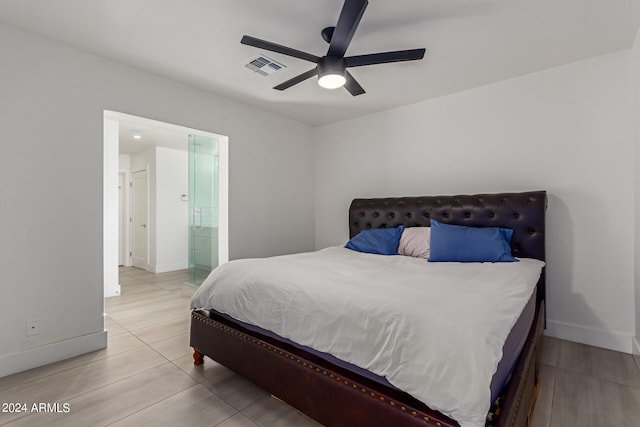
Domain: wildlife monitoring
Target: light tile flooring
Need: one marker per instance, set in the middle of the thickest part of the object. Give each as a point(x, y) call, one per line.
point(587, 386)
point(146, 376)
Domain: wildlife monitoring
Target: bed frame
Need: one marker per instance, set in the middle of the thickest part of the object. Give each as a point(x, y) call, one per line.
point(334, 396)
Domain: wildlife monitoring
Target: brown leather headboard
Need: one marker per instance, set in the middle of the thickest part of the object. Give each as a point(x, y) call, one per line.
point(522, 212)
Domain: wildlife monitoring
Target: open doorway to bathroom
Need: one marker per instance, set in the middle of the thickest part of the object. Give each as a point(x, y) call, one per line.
point(169, 184)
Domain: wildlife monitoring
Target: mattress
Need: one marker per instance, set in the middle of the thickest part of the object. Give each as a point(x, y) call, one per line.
point(510, 351)
point(434, 330)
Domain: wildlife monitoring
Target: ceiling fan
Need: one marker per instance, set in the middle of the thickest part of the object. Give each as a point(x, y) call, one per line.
point(331, 69)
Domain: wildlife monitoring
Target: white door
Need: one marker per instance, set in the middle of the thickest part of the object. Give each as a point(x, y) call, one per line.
point(121, 219)
point(139, 219)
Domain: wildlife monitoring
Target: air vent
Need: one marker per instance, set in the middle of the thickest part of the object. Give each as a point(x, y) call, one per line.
point(263, 65)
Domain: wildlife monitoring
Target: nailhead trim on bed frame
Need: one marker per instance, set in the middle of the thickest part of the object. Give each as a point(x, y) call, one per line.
point(519, 401)
point(324, 372)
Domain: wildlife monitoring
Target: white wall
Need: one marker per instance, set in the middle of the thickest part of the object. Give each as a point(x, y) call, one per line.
point(52, 104)
point(566, 130)
point(635, 74)
point(124, 162)
point(172, 215)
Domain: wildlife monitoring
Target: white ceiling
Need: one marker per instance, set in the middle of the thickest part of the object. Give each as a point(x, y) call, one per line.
point(469, 43)
point(152, 133)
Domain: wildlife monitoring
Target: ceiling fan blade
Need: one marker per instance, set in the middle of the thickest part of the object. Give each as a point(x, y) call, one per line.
point(273, 47)
point(385, 57)
point(297, 79)
point(352, 85)
point(352, 12)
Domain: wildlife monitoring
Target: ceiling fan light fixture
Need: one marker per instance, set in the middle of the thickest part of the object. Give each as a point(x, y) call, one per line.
point(332, 81)
point(331, 72)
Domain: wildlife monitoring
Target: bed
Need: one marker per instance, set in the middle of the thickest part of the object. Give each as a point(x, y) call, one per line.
point(335, 394)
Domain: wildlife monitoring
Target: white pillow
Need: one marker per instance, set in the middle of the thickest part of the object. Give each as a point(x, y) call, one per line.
point(415, 242)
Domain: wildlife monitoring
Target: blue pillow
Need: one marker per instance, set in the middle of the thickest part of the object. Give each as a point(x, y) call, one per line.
point(383, 241)
point(457, 243)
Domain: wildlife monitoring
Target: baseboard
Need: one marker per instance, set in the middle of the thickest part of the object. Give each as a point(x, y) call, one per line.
point(172, 267)
point(146, 267)
point(43, 355)
point(636, 346)
point(113, 291)
point(591, 336)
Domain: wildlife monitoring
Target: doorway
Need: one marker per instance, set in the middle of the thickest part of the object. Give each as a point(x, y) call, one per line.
point(151, 244)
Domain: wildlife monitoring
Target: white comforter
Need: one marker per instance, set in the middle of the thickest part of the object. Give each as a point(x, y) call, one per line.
point(434, 330)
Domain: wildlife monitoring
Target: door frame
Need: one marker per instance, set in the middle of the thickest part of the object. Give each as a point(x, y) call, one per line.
point(124, 217)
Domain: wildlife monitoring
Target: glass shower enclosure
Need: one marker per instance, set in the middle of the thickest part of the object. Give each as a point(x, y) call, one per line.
point(203, 206)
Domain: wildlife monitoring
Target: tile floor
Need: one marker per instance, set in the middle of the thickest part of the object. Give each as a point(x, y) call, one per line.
point(146, 376)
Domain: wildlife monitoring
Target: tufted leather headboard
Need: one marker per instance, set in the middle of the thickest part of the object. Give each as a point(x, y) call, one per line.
point(522, 212)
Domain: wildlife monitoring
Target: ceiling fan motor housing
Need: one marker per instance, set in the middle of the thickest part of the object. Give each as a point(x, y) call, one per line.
point(332, 72)
point(331, 65)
